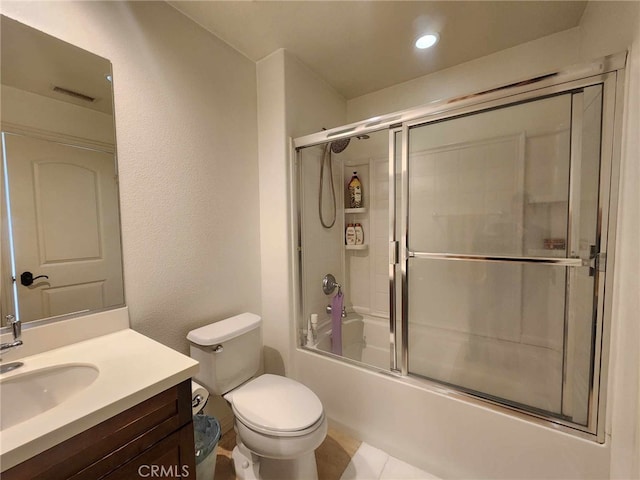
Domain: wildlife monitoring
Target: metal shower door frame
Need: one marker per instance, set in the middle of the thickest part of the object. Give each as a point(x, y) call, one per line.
point(607, 205)
point(607, 70)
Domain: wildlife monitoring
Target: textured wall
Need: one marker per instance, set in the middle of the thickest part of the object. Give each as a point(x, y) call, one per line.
point(293, 101)
point(185, 106)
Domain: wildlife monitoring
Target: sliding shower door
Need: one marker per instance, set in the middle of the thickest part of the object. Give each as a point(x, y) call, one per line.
point(489, 233)
point(500, 236)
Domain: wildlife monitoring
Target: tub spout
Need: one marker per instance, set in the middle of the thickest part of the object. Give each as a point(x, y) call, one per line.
point(329, 310)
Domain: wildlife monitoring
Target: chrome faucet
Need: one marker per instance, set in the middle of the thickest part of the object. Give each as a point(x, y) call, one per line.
point(16, 328)
point(329, 309)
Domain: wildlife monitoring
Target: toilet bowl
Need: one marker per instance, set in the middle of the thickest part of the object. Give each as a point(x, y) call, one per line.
point(278, 421)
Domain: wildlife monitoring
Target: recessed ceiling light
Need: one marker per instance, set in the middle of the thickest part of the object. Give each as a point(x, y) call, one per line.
point(428, 40)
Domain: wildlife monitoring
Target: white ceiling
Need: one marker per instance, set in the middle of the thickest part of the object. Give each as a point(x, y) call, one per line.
point(362, 46)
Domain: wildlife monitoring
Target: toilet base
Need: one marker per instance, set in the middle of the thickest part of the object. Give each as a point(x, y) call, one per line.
point(250, 466)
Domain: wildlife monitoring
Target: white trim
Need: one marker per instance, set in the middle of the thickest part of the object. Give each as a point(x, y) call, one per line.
point(58, 137)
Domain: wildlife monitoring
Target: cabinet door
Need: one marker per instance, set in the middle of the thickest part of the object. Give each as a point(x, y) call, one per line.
point(173, 457)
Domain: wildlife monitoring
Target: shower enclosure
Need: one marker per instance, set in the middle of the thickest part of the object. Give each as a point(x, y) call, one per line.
point(489, 226)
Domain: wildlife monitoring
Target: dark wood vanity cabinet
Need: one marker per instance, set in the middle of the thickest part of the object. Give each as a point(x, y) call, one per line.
point(153, 439)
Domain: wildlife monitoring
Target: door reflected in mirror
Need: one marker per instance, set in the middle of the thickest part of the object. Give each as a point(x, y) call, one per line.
point(60, 250)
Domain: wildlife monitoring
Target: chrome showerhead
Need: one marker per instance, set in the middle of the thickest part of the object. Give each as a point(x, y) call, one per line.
point(338, 146)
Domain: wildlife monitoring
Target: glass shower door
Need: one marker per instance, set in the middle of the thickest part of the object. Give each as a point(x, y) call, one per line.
point(500, 234)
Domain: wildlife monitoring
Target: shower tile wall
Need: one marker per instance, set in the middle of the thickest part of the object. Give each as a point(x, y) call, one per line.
point(323, 248)
point(368, 271)
point(380, 236)
point(357, 263)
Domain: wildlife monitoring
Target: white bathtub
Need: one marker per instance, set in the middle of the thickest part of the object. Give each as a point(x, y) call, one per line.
point(360, 339)
point(352, 337)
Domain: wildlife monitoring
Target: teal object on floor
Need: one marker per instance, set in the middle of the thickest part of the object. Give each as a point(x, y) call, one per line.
point(206, 431)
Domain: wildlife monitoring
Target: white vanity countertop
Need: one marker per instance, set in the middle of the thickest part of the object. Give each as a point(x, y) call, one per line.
point(132, 369)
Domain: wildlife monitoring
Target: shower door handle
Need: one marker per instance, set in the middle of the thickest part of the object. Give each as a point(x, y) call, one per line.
point(596, 262)
point(559, 261)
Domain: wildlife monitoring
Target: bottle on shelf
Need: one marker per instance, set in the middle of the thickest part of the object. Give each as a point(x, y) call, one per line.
point(355, 192)
point(350, 235)
point(359, 234)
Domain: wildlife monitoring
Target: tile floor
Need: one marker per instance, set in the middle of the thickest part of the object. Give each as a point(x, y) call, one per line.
point(340, 457)
point(370, 463)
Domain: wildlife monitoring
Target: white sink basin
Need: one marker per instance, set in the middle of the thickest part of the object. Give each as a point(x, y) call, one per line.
point(25, 395)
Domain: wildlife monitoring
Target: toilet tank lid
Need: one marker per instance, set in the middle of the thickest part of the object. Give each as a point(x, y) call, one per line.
point(224, 330)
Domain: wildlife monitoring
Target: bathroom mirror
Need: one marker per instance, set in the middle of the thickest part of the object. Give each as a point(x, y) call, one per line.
point(60, 223)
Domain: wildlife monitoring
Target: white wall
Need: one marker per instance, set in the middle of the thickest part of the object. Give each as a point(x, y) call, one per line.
point(622, 25)
point(186, 130)
point(546, 54)
point(292, 101)
point(608, 27)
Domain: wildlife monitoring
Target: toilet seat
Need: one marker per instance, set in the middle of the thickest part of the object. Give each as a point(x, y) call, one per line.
point(277, 406)
point(279, 433)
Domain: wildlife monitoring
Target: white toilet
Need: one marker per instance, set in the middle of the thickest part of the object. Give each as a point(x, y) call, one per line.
point(278, 421)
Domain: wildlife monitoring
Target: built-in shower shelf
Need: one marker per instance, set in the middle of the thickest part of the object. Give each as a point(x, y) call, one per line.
point(356, 247)
point(348, 211)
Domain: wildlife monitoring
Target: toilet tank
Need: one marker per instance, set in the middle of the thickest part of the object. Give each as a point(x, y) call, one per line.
point(229, 352)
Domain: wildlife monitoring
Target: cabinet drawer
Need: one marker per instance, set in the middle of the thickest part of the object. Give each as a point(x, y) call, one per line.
point(166, 459)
